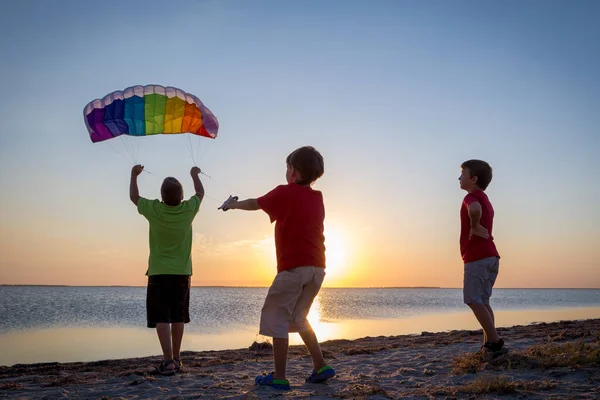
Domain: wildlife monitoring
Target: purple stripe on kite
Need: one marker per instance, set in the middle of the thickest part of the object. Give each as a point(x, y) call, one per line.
point(96, 122)
point(212, 125)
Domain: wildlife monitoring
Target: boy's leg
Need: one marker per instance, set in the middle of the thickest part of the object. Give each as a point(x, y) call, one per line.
point(163, 330)
point(180, 312)
point(492, 273)
point(177, 329)
point(312, 344)
point(280, 351)
point(486, 321)
point(276, 315)
point(489, 308)
point(479, 278)
point(157, 312)
point(313, 280)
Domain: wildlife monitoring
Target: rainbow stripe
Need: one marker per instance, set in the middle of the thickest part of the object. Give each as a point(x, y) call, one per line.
point(148, 110)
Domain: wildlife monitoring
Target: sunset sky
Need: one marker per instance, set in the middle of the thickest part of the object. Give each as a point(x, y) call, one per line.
point(395, 95)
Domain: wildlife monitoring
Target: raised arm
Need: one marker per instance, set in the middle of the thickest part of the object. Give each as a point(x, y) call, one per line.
point(134, 192)
point(198, 187)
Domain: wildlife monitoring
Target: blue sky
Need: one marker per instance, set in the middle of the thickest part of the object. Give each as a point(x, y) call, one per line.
point(394, 94)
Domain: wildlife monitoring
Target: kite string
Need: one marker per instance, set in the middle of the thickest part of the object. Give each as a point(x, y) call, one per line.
point(224, 185)
point(191, 148)
point(129, 161)
point(205, 149)
point(205, 195)
point(130, 148)
point(137, 154)
point(132, 160)
point(195, 160)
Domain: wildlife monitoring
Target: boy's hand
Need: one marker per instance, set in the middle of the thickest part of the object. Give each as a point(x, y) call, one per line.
point(198, 187)
point(480, 231)
point(228, 203)
point(136, 170)
point(195, 171)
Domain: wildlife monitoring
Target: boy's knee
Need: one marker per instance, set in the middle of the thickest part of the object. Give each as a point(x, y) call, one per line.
point(472, 298)
point(474, 303)
point(300, 326)
point(273, 333)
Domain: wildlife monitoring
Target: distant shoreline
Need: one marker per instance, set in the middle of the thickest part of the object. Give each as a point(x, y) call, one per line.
point(324, 287)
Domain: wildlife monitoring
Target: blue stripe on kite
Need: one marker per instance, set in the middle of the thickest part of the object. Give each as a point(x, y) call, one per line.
point(113, 118)
point(134, 115)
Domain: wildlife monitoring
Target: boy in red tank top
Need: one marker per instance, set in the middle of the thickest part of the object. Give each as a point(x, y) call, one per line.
point(480, 257)
point(299, 213)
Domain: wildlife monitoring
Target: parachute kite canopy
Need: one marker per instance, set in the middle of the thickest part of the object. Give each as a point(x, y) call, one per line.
point(148, 110)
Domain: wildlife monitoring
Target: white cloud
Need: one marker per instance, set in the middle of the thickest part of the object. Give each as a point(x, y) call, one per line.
point(208, 246)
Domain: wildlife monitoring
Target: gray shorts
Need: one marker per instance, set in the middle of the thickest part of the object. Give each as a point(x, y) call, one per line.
point(479, 280)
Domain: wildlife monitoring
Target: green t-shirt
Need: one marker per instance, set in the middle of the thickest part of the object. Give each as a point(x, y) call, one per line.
point(170, 235)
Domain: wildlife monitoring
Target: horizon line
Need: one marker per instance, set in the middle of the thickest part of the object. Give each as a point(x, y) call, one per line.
point(324, 287)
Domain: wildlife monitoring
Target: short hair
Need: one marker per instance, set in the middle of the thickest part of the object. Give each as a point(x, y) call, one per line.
point(481, 169)
point(171, 191)
point(308, 162)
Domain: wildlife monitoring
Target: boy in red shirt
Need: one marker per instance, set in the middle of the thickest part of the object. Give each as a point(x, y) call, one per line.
point(299, 213)
point(478, 250)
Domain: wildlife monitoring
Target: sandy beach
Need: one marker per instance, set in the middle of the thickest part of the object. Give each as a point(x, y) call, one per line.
point(546, 361)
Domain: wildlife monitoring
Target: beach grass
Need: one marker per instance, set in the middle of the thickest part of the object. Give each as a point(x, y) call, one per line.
point(575, 354)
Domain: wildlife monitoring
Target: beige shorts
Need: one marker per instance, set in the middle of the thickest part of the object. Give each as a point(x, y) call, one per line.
point(289, 300)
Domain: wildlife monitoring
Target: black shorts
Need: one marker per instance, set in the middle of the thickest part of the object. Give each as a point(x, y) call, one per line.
point(168, 299)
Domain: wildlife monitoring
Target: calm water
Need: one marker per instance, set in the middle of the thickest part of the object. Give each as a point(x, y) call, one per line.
point(49, 323)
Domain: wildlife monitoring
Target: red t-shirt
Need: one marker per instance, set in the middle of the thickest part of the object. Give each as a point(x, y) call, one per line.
point(476, 248)
point(299, 213)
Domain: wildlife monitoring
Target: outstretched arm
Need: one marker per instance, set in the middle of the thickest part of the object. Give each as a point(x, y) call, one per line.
point(248, 205)
point(198, 187)
point(134, 192)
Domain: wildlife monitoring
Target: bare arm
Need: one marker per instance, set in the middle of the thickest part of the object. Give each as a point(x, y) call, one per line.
point(475, 214)
point(475, 217)
point(248, 205)
point(198, 187)
point(134, 192)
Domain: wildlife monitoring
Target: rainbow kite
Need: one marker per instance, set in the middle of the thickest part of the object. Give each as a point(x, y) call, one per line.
point(148, 110)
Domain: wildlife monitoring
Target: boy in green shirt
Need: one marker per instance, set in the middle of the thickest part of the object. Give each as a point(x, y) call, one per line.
point(170, 261)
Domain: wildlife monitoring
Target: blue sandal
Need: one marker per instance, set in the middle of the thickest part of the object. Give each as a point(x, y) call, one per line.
point(321, 375)
point(268, 380)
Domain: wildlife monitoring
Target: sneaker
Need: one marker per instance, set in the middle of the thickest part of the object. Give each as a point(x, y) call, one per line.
point(496, 349)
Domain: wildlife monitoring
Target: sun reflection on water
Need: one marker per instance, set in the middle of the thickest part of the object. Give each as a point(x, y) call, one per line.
point(87, 344)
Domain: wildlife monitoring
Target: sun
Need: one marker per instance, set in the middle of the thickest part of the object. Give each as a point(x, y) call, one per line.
point(335, 251)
